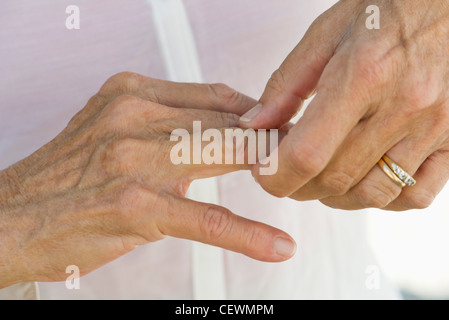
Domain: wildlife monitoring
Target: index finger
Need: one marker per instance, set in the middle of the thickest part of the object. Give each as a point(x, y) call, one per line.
point(216, 96)
point(339, 105)
point(217, 226)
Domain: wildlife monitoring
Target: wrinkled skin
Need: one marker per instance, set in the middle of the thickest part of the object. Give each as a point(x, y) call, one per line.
point(106, 184)
point(378, 92)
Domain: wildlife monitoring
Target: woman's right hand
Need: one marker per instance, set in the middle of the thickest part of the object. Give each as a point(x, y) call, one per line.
point(106, 184)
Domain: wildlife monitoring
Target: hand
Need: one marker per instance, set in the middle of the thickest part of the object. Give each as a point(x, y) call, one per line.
point(106, 184)
point(377, 92)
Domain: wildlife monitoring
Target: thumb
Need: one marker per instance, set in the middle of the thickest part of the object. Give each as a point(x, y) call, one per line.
point(219, 227)
point(297, 77)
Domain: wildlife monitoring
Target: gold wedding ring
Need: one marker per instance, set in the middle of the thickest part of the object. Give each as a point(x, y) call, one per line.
point(385, 168)
point(395, 172)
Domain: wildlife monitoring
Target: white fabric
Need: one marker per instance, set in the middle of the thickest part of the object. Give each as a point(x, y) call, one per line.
point(176, 41)
point(208, 274)
point(182, 65)
point(20, 291)
point(49, 72)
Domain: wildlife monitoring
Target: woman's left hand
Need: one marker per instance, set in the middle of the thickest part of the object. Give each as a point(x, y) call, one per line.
point(378, 91)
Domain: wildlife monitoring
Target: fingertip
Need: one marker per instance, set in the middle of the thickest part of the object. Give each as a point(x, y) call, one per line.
point(284, 247)
point(247, 119)
point(265, 116)
point(272, 113)
point(278, 247)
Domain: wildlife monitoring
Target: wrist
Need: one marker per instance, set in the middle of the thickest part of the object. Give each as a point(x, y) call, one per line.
point(12, 231)
point(10, 192)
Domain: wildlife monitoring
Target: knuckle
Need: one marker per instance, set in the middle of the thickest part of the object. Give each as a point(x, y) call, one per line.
point(95, 104)
point(123, 76)
point(122, 105)
point(306, 160)
point(375, 195)
point(315, 60)
point(253, 237)
point(225, 94)
point(120, 82)
point(335, 183)
point(224, 119)
point(97, 101)
point(275, 191)
point(437, 126)
point(418, 95)
point(277, 81)
point(216, 222)
point(271, 187)
point(442, 114)
point(126, 79)
point(333, 203)
point(320, 25)
point(367, 65)
point(368, 71)
point(419, 200)
point(125, 100)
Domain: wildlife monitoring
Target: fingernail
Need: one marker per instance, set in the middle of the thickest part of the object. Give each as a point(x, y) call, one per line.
point(284, 247)
point(251, 114)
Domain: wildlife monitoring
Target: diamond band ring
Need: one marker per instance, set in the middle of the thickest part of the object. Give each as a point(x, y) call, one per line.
point(395, 172)
point(385, 168)
point(402, 174)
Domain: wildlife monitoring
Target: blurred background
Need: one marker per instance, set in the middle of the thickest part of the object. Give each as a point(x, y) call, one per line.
point(412, 248)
